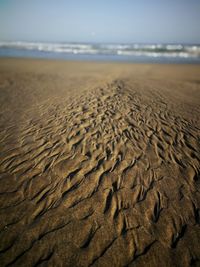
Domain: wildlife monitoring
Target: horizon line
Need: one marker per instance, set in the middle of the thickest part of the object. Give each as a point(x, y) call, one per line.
point(97, 42)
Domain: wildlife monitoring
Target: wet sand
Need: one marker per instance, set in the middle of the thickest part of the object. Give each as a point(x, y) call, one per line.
point(99, 164)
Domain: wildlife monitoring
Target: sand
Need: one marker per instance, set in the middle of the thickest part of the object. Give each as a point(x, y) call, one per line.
point(99, 164)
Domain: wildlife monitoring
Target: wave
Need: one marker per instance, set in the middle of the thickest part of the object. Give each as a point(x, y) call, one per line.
point(149, 50)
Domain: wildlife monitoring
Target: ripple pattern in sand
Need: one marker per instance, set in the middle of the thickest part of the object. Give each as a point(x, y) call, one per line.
point(105, 179)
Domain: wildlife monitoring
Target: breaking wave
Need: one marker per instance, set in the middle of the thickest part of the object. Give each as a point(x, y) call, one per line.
point(153, 50)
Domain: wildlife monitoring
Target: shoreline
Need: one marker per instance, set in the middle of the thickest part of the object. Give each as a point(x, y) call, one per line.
point(95, 62)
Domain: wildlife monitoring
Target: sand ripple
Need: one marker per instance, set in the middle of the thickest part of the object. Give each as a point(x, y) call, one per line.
point(107, 178)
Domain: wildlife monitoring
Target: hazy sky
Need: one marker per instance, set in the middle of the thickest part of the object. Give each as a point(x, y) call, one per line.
point(144, 21)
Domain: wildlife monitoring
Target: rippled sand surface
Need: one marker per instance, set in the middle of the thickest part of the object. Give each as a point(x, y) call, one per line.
point(99, 164)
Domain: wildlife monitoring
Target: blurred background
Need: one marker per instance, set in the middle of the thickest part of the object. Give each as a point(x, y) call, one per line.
point(129, 30)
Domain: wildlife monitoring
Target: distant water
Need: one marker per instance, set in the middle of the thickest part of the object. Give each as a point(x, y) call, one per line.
point(161, 53)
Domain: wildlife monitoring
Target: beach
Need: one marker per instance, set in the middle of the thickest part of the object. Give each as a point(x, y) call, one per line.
point(99, 164)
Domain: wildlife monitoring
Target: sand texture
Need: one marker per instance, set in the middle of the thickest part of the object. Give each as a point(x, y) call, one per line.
point(99, 164)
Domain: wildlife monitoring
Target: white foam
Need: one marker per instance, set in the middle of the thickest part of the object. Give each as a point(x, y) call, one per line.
point(149, 50)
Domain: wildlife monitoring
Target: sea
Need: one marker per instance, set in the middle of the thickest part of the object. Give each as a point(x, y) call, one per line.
point(142, 53)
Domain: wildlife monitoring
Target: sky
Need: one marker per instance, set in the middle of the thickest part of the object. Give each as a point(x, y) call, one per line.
point(109, 21)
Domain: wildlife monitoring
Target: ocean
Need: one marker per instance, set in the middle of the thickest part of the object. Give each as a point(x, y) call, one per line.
point(148, 53)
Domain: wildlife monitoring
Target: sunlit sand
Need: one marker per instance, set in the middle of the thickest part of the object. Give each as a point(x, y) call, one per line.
point(99, 164)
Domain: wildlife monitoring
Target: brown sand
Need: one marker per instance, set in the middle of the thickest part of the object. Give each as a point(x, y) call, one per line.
point(99, 164)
